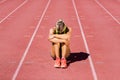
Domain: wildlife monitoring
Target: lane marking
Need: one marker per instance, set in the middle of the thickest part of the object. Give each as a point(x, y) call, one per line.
point(13, 11)
point(30, 42)
point(106, 11)
point(85, 42)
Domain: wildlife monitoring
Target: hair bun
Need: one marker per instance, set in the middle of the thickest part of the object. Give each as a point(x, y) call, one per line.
point(59, 21)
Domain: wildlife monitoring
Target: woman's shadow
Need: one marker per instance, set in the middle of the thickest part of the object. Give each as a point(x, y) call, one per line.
point(77, 56)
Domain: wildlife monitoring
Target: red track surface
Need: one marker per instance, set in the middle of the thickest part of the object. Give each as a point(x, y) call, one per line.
point(25, 50)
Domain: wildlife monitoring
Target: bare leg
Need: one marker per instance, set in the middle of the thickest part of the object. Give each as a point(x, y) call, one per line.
point(55, 50)
point(57, 47)
point(55, 54)
point(65, 54)
point(65, 51)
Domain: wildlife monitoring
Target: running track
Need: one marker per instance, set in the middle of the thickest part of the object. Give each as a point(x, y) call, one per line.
point(24, 48)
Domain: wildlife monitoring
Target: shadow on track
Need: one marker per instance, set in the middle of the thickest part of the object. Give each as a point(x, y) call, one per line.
point(77, 56)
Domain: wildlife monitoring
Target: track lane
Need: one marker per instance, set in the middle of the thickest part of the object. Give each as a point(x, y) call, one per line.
point(15, 34)
point(112, 11)
point(39, 62)
point(85, 43)
point(102, 34)
point(29, 44)
point(101, 31)
point(5, 12)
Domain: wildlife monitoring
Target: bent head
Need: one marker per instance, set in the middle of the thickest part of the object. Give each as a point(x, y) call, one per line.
point(60, 25)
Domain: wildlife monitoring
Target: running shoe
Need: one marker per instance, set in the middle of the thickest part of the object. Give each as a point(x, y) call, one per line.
point(57, 63)
point(63, 63)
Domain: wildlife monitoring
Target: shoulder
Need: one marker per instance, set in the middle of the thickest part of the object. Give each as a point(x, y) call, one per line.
point(70, 29)
point(52, 30)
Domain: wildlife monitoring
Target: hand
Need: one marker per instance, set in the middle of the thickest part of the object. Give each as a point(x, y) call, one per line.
point(51, 36)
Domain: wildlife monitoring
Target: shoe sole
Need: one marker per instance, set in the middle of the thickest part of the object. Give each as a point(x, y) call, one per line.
point(63, 67)
point(57, 66)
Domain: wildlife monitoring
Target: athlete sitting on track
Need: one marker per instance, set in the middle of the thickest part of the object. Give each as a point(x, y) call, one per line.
point(59, 36)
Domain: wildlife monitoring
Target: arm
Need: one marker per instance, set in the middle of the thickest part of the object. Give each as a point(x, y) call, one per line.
point(52, 37)
point(64, 36)
point(56, 40)
point(59, 38)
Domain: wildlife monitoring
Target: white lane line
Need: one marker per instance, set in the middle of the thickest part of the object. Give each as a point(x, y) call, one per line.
point(30, 42)
point(85, 42)
point(106, 11)
point(13, 11)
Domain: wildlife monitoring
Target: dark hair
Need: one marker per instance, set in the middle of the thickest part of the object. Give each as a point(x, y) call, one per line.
point(60, 24)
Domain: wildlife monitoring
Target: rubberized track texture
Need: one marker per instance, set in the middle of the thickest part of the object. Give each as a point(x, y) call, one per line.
point(95, 40)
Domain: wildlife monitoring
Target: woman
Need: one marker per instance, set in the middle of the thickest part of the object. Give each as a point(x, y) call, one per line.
point(59, 36)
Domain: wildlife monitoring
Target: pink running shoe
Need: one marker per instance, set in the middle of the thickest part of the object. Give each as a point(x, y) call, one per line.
point(57, 63)
point(63, 63)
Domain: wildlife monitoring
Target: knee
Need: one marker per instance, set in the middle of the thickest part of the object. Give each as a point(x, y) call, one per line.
point(65, 45)
point(56, 44)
